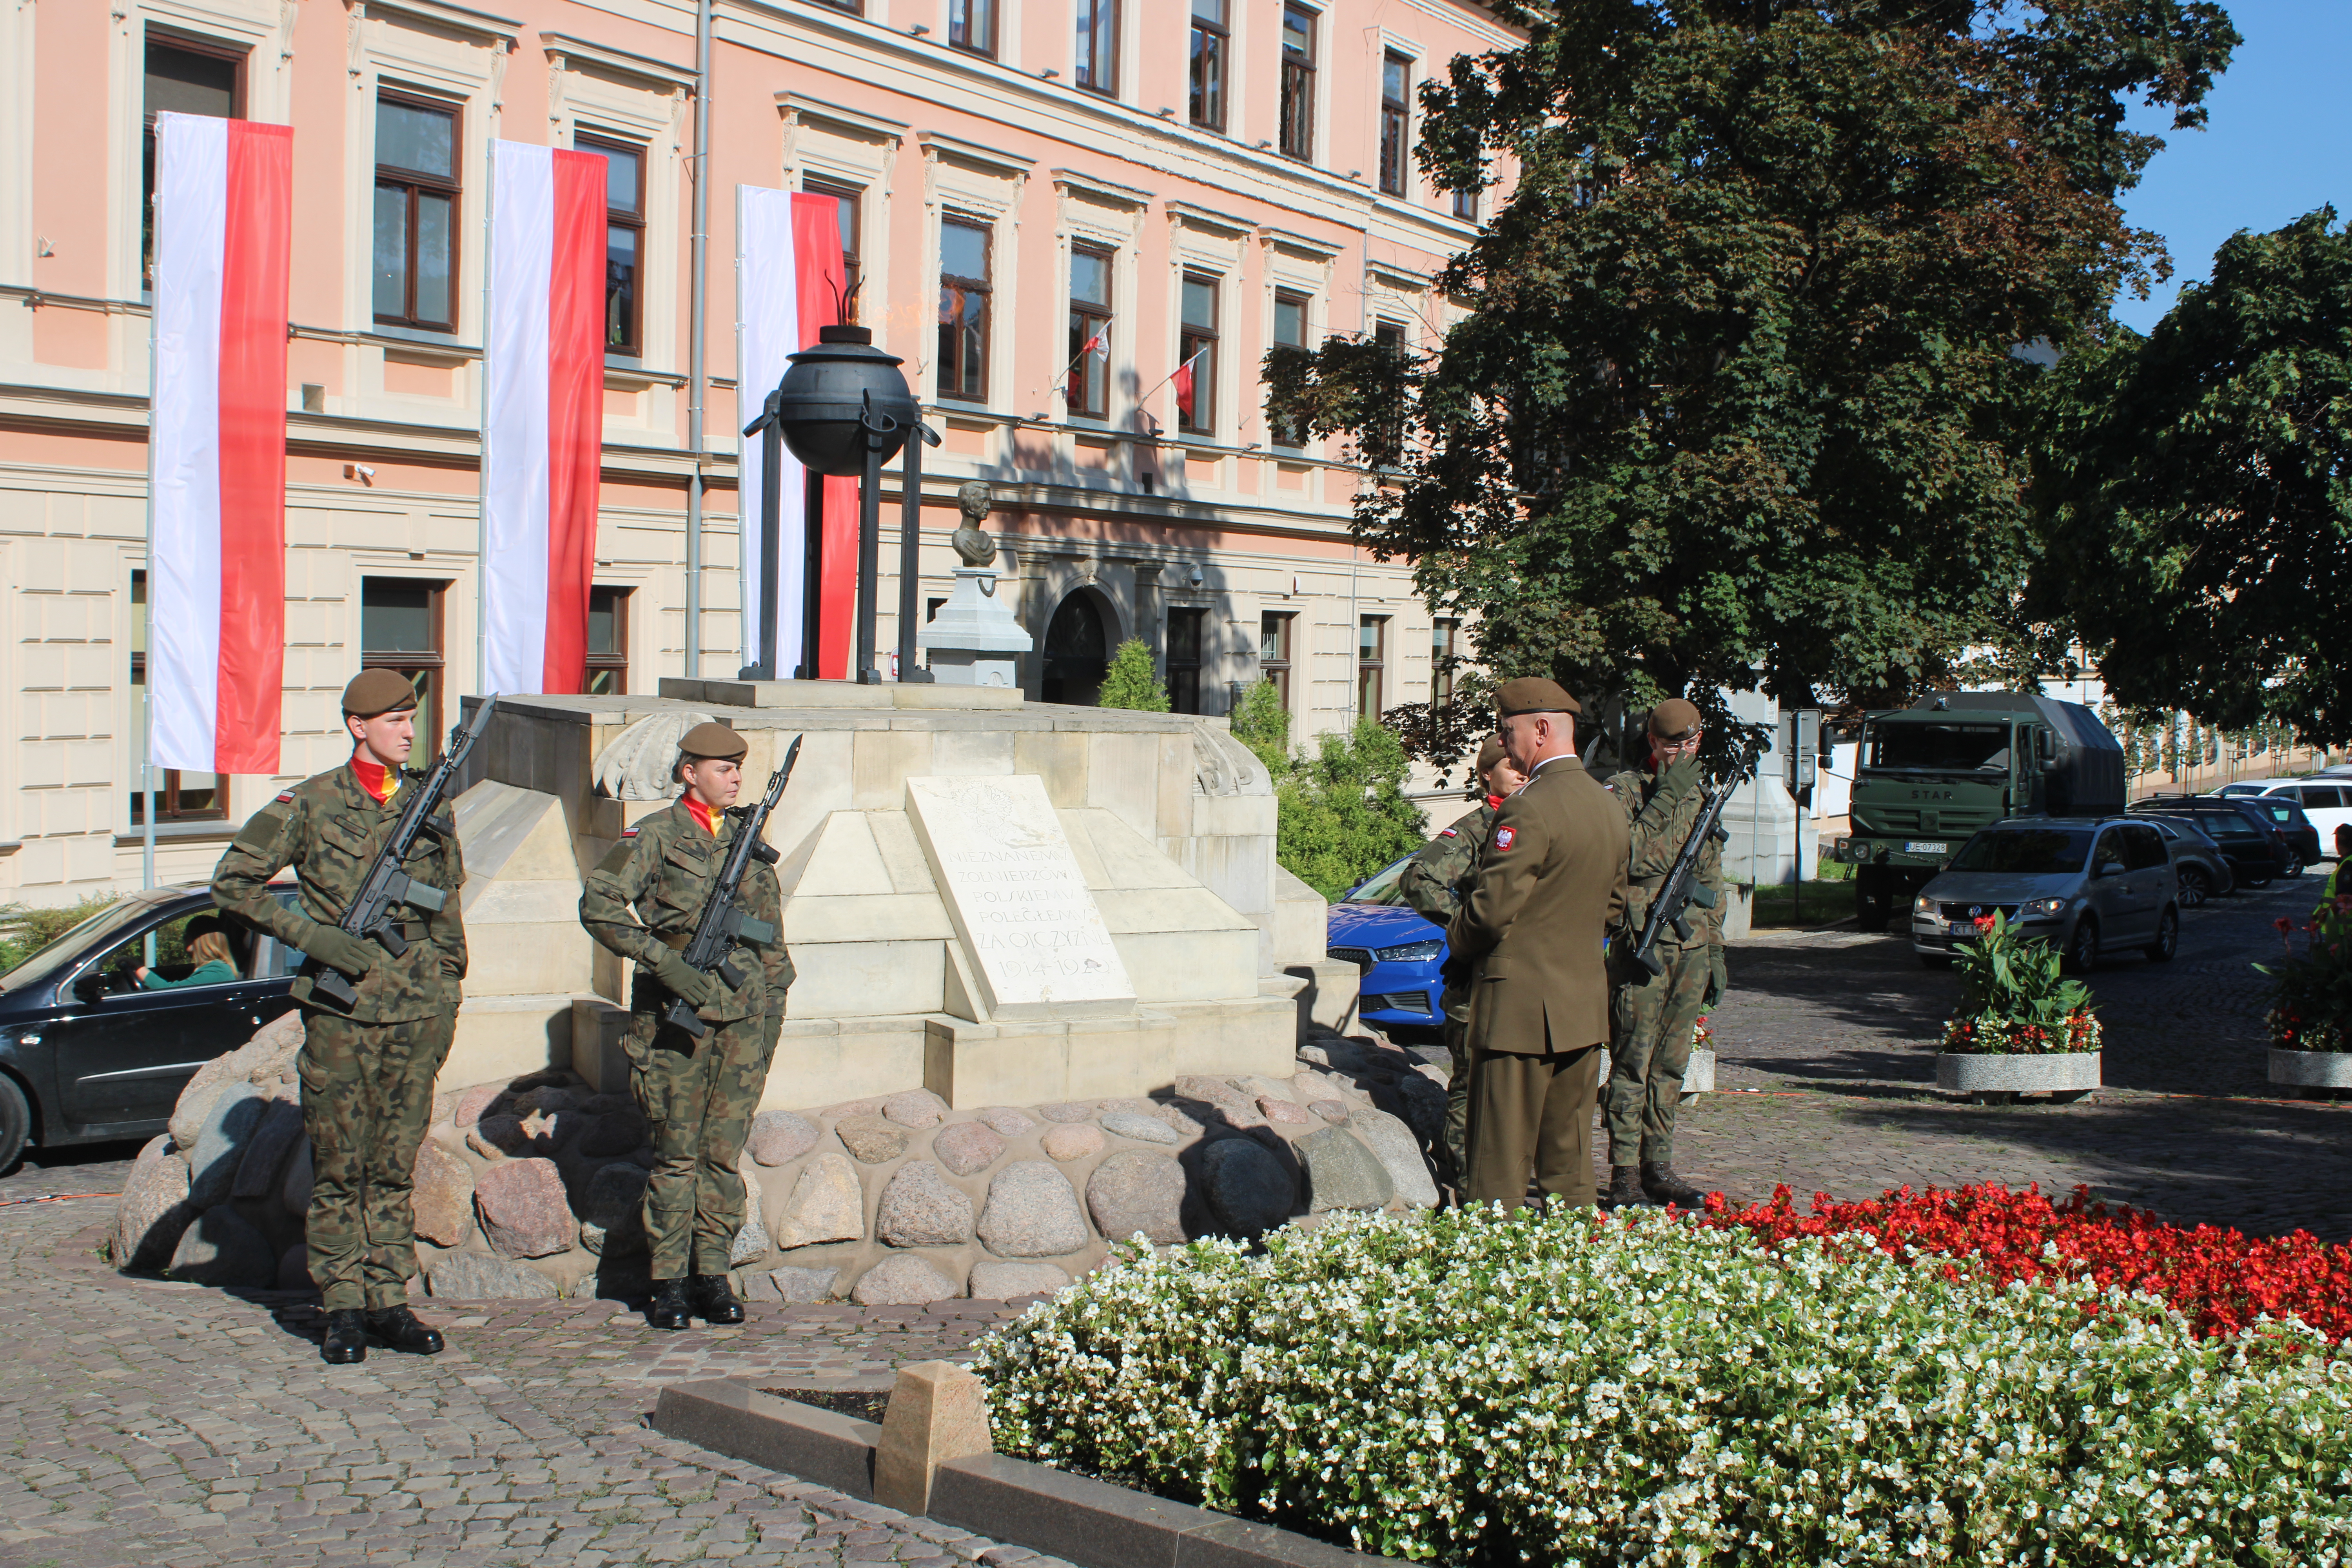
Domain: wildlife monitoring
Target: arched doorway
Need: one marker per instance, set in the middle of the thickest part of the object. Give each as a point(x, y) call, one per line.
point(1077, 651)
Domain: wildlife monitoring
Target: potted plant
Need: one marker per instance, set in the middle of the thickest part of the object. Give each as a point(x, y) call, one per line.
point(2311, 1001)
point(1698, 1078)
point(2022, 1026)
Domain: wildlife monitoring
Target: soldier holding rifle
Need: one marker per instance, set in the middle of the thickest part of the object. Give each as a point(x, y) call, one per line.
point(698, 1068)
point(1653, 1014)
point(377, 1009)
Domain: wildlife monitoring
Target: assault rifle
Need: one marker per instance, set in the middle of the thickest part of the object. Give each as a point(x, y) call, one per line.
point(723, 922)
point(387, 884)
point(1682, 887)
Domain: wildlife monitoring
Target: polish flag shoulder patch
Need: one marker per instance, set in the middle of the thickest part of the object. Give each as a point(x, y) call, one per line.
point(286, 797)
point(1448, 833)
point(1504, 836)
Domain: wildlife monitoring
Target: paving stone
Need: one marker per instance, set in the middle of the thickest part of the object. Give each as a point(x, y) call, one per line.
point(915, 1108)
point(1080, 1142)
point(826, 1204)
point(992, 1281)
point(1247, 1190)
point(903, 1280)
point(968, 1147)
point(1007, 1121)
point(921, 1208)
point(496, 1137)
point(1282, 1112)
point(1033, 1211)
point(1220, 1100)
point(1143, 1129)
point(1399, 1152)
point(524, 1210)
point(780, 1136)
point(1072, 1110)
point(874, 1141)
point(223, 1249)
point(442, 1196)
point(474, 1102)
point(1330, 1110)
point(1341, 1174)
point(1138, 1190)
point(795, 1284)
point(473, 1276)
point(751, 1243)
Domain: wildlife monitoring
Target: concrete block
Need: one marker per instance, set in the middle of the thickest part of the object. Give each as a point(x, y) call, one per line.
point(839, 860)
point(1328, 993)
point(507, 1037)
point(1061, 758)
point(881, 760)
point(865, 979)
point(2311, 1069)
point(821, 785)
point(1127, 859)
point(785, 1434)
point(2065, 1073)
point(597, 1027)
point(1176, 799)
point(1123, 777)
point(814, 918)
point(1184, 965)
point(902, 856)
point(1302, 919)
point(938, 1413)
point(825, 1061)
point(961, 753)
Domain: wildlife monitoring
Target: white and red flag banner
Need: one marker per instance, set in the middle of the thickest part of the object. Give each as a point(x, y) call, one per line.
point(788, 281)
point(217, 545)
point(543, 415)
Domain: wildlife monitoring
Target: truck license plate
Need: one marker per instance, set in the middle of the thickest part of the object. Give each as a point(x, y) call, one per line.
point(1925, 847)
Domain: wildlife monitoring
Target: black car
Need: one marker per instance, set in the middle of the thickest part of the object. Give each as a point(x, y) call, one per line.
point(2257, 849)
point(87, 1055)
point(2286, 814)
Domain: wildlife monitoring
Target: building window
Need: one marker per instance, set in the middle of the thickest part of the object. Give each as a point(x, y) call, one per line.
point(1371, 661)
point(1289, 333)
point(1396, 120)
point(415, 212)
point(400, 628)
point(847, 202)
point(608, 643)
point(1089, 387)
point(963, 312)
point(625, 241)
point(1184, 628)
point(184, 78)
point(1274, 653)
point(179, 796)
point(1196, 345)
point(1098, 45)
point(1298, 131)
point(1210, 40)
point(1444, 647)
point(971, 25)
point(1465, 206)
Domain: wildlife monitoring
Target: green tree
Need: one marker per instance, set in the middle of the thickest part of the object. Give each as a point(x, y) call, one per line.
point(1342, 813)
point(1735, 397)
point(1263, 725)
point(2199, 487)
point(1130, 681)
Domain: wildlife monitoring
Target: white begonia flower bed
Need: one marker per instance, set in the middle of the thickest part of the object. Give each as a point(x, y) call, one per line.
point(1463, 1387)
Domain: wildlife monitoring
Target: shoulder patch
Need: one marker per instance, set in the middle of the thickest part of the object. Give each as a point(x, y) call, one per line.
point(1504, 836)
point(286, 797)
point(628, 833)
point(1448, 833)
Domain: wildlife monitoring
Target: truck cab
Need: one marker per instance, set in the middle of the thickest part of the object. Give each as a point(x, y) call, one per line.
point(1931, 775)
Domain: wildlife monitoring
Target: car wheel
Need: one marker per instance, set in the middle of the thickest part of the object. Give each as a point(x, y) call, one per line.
point(2255, 879)
point(2196, 887)
point(16, 1123)
point(2168, 938)
point(2083, 947)
point(2294, 866)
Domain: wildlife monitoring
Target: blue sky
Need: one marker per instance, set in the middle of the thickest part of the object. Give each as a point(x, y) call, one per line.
point(2278, 144)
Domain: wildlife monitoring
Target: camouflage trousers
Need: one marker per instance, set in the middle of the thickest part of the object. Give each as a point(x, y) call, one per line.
point(1456, 1004)
point(1651, 1024)
point(700, 1096)
point(367, 1097)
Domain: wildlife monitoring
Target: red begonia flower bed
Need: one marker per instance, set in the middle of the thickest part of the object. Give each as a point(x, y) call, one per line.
point(2221, 1279)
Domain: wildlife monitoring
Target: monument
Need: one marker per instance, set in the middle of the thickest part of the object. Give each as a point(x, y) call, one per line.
point(973, 639)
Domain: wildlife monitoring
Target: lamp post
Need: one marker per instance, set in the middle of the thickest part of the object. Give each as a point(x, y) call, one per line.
point(844, 408)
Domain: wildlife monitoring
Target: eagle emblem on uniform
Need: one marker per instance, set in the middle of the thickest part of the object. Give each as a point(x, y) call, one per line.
point(1503, 838)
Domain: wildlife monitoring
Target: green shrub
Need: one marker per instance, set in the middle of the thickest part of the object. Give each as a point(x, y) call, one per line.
point(1342, 813)
point(2015, 998)
point(1470, 1387)
point(24, 930)
point(1263, 725)
point(1130, 683)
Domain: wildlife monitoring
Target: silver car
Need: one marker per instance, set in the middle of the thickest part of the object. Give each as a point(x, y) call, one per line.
point(2091, 885)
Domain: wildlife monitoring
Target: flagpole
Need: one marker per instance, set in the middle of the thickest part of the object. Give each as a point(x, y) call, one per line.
point(1169, 377)
point(147, 684)
point(482, 479)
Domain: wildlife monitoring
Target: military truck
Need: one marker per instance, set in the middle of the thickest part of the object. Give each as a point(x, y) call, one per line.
point(1932, 774)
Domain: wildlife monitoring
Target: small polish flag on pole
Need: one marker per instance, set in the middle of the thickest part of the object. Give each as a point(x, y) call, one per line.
point(217, 445)
point(542, 415)
point(1184, 382)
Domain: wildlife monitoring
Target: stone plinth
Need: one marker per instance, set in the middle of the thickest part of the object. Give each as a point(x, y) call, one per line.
point(2311, 1069)
point(973, 639)
point(2069, 1073)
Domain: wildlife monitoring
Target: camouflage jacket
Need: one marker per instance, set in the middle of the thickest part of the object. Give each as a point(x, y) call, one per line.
point(649, 888)
point(1439, 876)
point(1659, 812)
point(330, 829)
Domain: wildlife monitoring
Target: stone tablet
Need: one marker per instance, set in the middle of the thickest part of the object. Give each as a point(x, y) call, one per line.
point(1020, 904)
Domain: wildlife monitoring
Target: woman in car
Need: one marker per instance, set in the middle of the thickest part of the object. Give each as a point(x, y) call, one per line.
point(208, 945)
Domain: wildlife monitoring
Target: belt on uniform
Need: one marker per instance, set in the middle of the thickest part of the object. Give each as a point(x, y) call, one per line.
point(1647, 884)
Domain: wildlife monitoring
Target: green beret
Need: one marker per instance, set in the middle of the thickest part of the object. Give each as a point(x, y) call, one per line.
point(712, 741)
point(1489, 755)
point(1534, 694)
point(1673, 720)
point(376, 692)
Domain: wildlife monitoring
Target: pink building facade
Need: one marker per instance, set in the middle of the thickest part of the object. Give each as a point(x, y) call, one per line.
point(1188, 180)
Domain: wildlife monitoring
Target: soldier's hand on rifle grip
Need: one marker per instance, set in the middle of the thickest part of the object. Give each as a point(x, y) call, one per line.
point(689, 983)
point(341, 950)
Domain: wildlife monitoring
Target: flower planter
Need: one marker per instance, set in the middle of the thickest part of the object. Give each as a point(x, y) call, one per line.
point(1698, 1076)
point(2311, 1069)
point(2067, 1072)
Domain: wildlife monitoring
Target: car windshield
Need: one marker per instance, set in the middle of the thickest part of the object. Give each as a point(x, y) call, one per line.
point(1940, 748)
point(47, 961)
point(1382, 887)
point(2026, 852)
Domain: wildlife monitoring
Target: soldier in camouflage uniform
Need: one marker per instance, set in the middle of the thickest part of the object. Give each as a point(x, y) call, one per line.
point(642, 902)
point(1434, 885)
point(1652, 1017)
point(367, 1071)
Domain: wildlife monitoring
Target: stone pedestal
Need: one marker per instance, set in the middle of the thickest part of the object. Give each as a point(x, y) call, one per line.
point(973, 639)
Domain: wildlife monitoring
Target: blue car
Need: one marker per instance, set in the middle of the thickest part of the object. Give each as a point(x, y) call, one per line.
point(1399, 952)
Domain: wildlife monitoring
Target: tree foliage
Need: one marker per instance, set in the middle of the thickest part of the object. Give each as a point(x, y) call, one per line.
point(1130, 681)
point(1735, 397)
point(2198, 483)
point(1263, 725)
point(1342, 813)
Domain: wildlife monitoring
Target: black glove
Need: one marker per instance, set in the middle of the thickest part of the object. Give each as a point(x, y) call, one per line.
point(349, 955)
point(1718, 978)
point(697, 989)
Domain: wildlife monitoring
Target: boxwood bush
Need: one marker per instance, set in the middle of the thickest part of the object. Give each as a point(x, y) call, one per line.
point(1467, 1387)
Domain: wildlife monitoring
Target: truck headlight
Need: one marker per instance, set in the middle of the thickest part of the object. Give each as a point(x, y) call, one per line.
point(1922, 905)
point(1409, 952)
point(2044, 907)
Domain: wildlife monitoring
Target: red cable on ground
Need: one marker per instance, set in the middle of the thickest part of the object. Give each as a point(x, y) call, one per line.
point(53, 1198)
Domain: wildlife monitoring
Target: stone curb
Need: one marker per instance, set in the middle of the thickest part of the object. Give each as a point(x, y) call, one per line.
point(1085, 1521)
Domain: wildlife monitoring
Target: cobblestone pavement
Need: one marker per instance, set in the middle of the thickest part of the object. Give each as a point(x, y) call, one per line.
point(147, 1423)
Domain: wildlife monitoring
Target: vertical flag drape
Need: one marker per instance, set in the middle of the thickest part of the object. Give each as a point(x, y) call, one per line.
point(789, 282)
point(216, 547)
point(544, 414)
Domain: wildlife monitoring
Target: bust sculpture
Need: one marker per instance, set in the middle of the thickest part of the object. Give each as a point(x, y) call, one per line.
point(971, 541)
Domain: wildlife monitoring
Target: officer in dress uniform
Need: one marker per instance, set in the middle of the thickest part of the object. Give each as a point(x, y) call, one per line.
point(1434, 885)
point(1549, 885)
point(367, 1071)
point(1654, 1014)
point(642, 902)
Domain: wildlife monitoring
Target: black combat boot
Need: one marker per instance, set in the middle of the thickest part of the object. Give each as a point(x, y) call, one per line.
point(1625, 1188)
point(714, 1302)
point(346, 1340)
point(1661, 1183)
point(397, 1327)
point(670, 1310)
